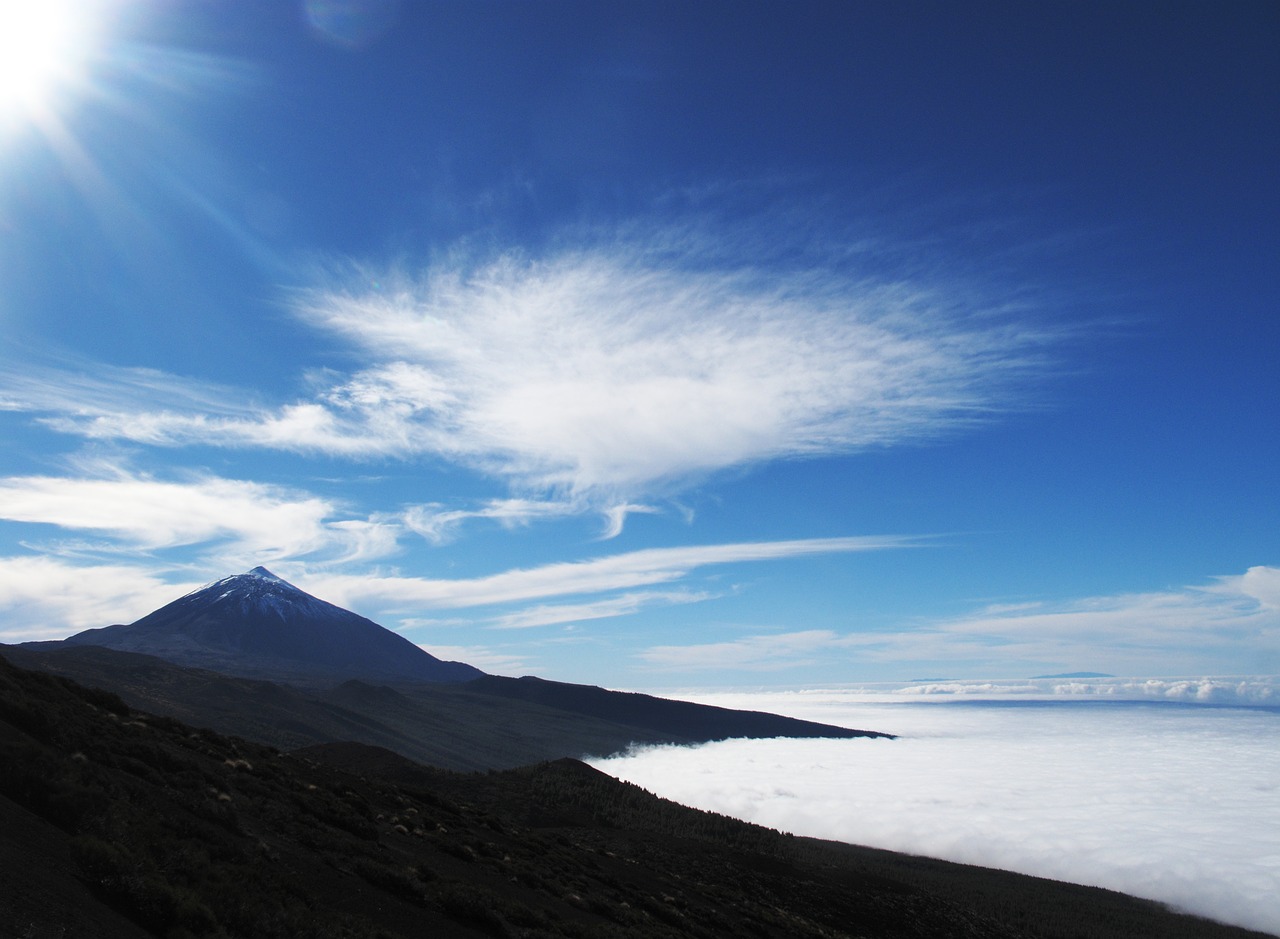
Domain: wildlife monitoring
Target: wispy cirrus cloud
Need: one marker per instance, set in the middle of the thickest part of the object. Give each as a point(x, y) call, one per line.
point(608, 584)
point(71, 393)
point(623, 605)
point(602, 374)
point(1229, 626)
point(610, 370)
point(749, 653)
point(439, 524)
point(624, 571)
point(485, 658)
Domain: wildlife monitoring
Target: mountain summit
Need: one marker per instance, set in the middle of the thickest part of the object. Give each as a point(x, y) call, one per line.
point(259, 626)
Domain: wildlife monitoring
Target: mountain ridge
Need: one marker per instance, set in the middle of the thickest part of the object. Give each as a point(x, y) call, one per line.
point(254, 656)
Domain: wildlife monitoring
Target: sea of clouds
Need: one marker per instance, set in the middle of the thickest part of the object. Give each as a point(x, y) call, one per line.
point(1162, 788)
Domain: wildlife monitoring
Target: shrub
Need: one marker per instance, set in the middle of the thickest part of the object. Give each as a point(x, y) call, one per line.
point(397, 882)
point(475, 908)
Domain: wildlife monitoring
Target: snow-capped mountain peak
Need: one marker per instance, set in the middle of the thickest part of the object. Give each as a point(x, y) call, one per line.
point(257, 624)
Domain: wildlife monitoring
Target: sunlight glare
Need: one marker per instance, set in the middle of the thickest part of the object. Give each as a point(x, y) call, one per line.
point(43, 46)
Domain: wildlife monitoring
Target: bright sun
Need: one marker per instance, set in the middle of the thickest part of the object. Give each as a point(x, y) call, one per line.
point(43, 48)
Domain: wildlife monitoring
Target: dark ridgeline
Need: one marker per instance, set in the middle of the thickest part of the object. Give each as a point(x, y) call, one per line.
point(256, 625)
point(116, 824)
point(661, 715)
point(254, 656)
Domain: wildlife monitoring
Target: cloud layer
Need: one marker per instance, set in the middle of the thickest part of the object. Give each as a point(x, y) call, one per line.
point(1175, 804)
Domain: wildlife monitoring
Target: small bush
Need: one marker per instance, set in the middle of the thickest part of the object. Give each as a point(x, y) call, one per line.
point(397, 882)
point(475, 908)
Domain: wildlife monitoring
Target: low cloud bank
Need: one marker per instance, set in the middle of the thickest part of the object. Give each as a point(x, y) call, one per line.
point(1263, 691)
point(829, 705)
point(1180, 805)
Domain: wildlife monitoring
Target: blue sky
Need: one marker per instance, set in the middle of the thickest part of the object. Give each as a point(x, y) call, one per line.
point(657, 345)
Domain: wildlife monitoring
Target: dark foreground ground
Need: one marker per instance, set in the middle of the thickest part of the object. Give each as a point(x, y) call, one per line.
point(114, 823)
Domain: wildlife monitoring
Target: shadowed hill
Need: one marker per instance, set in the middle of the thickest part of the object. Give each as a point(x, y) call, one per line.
point(455, 725)
point(660, 715)
point(118, 825)
point(433, 724)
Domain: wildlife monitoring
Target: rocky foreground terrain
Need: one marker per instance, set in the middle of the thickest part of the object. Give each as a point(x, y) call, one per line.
point(116, 823)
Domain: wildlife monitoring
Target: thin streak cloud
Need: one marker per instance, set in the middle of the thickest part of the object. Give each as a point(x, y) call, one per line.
point(1230, 626)
point(599, 575)
point(439, 524)
point(750, 653)
point(624, 605)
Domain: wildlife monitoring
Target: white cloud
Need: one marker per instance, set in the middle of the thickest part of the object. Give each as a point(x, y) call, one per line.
point(84, 389)
point(616, 517)
point(623, 605)
point(608, 371)
point(254, 521)
point(493, 661)
point(45, 598)
point(602, 374)
point(1243, 691)
point(439, 524)
point(750, 653)
point(248, 520)
point(614, 572)
point(1260, 583)
point(1175, 804)
point(1231, 626)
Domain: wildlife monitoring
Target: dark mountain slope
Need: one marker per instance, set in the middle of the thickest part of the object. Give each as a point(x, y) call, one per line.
point(213, 656)
point(433, 724)
point(659, 715)
point(446, 725)
point(256, 625)
point(143, 826)
point(259, 626)
point(450, 725)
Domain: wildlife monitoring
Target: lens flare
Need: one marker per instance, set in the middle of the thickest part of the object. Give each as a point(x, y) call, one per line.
point(44, 48)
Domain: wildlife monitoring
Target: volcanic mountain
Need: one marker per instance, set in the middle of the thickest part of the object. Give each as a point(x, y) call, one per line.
point(254, 656)
point(256, 625)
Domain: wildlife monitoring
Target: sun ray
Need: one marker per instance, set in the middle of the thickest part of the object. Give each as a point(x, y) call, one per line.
point(44, 50)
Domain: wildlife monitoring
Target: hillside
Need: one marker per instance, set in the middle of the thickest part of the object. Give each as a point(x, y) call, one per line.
point(118, 825)
point(453, 725)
